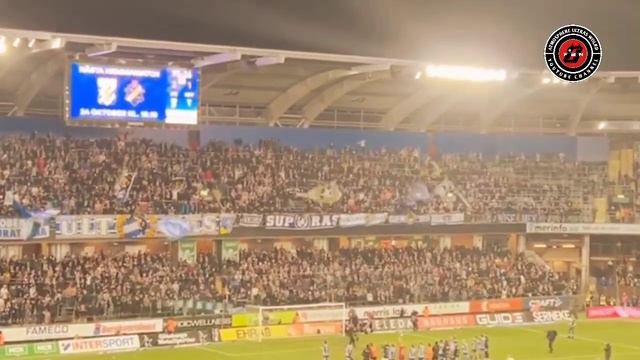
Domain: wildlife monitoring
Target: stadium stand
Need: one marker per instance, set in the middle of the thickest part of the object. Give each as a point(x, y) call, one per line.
point(82, 176)
point(44, 290)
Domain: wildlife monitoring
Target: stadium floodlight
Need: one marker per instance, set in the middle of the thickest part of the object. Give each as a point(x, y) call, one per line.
point(602, 125)
point(56, 43)
point(216, 59)
point(16, 42)
point(465, 73)
point(269, 60)
point(101, 49)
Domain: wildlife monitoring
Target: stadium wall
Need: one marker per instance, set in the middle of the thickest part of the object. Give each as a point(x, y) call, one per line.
point(574, 148)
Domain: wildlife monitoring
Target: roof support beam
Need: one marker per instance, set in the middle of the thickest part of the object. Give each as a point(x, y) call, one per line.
point(289, 97)
point(582, 106)
point(433, 113)
point(490, 116)
point(406, 107)
point(217, 73)
point(36, 81)
point(17, 59)
point(327, 97)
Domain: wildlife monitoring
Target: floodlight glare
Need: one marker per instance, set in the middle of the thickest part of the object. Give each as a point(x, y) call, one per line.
point(418, 75)
point(31, 43)
point(546, 80)
point(3, 45)
point(465, 73)
point(56, 43)
point(16, 42)
point(602, 125)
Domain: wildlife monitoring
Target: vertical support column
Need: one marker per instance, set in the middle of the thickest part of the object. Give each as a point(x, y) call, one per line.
point(584, 259)
point(521, 245)
point(478, 242)
point(59, 250)
point(445, 242)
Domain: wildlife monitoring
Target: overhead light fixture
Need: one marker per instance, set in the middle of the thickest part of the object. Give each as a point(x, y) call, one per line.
point(16, 42)
point(546, 80)
point(539, 246)
point(216, 59)
point(418, 75)
point(465, 73)
point(602, 125)
point(101, 49)
point(568, 246)
point(3, 45)
point(269, 60)
point(31, 43)
point(56, 43)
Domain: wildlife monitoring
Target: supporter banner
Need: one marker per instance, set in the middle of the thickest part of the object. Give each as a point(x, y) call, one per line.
point(269, 318)
point(35, 349)
point(613, 312)
point(187, 251)
point(194, 337)
point(446, 322)
point(85, 227)
point(252, 333)
point(179, 324)
point(65, 331)
point(301, 221)
point(376, 219)
point(497, 305)
point(397, 219)
point(19, 229)
point(570, 228)
point(549, 303)
point(113, 343)
point(251, 220)
point(351, 220)
point(396, 311)
point(447, 219)
point(502, 319)
point(230, 250)
point(551, 316)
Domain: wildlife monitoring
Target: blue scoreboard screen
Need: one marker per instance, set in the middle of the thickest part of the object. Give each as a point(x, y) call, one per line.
point(166, 95)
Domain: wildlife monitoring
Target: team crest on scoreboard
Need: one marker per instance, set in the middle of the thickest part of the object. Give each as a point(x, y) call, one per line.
point(134, 93)
point(573, 53)
point(107, 91)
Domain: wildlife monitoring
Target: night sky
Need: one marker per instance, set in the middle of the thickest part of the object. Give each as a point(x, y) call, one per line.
point(508, 33)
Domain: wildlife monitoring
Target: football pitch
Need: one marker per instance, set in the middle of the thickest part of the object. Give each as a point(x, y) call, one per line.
point(522, 343)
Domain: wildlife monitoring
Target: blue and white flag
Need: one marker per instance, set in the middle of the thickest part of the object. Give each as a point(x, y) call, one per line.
point(174, 228)
point(37, 219)
point(134, 227)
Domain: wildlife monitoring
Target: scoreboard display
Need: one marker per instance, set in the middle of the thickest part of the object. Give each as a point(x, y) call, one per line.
point(110, 93)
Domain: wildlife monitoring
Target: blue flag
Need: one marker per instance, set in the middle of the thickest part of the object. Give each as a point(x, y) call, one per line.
point(174, 228)
point(37, 219)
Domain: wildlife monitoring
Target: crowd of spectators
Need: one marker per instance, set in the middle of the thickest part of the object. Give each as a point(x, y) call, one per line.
point(90, 176)
point(44, 290)
point(397, 275)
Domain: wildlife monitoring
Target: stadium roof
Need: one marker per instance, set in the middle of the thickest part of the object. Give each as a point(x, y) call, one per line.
point(263, 87)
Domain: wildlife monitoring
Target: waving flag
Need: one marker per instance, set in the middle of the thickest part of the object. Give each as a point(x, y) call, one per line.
point(135, 227)
point(37, 219)
point(174, 228)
